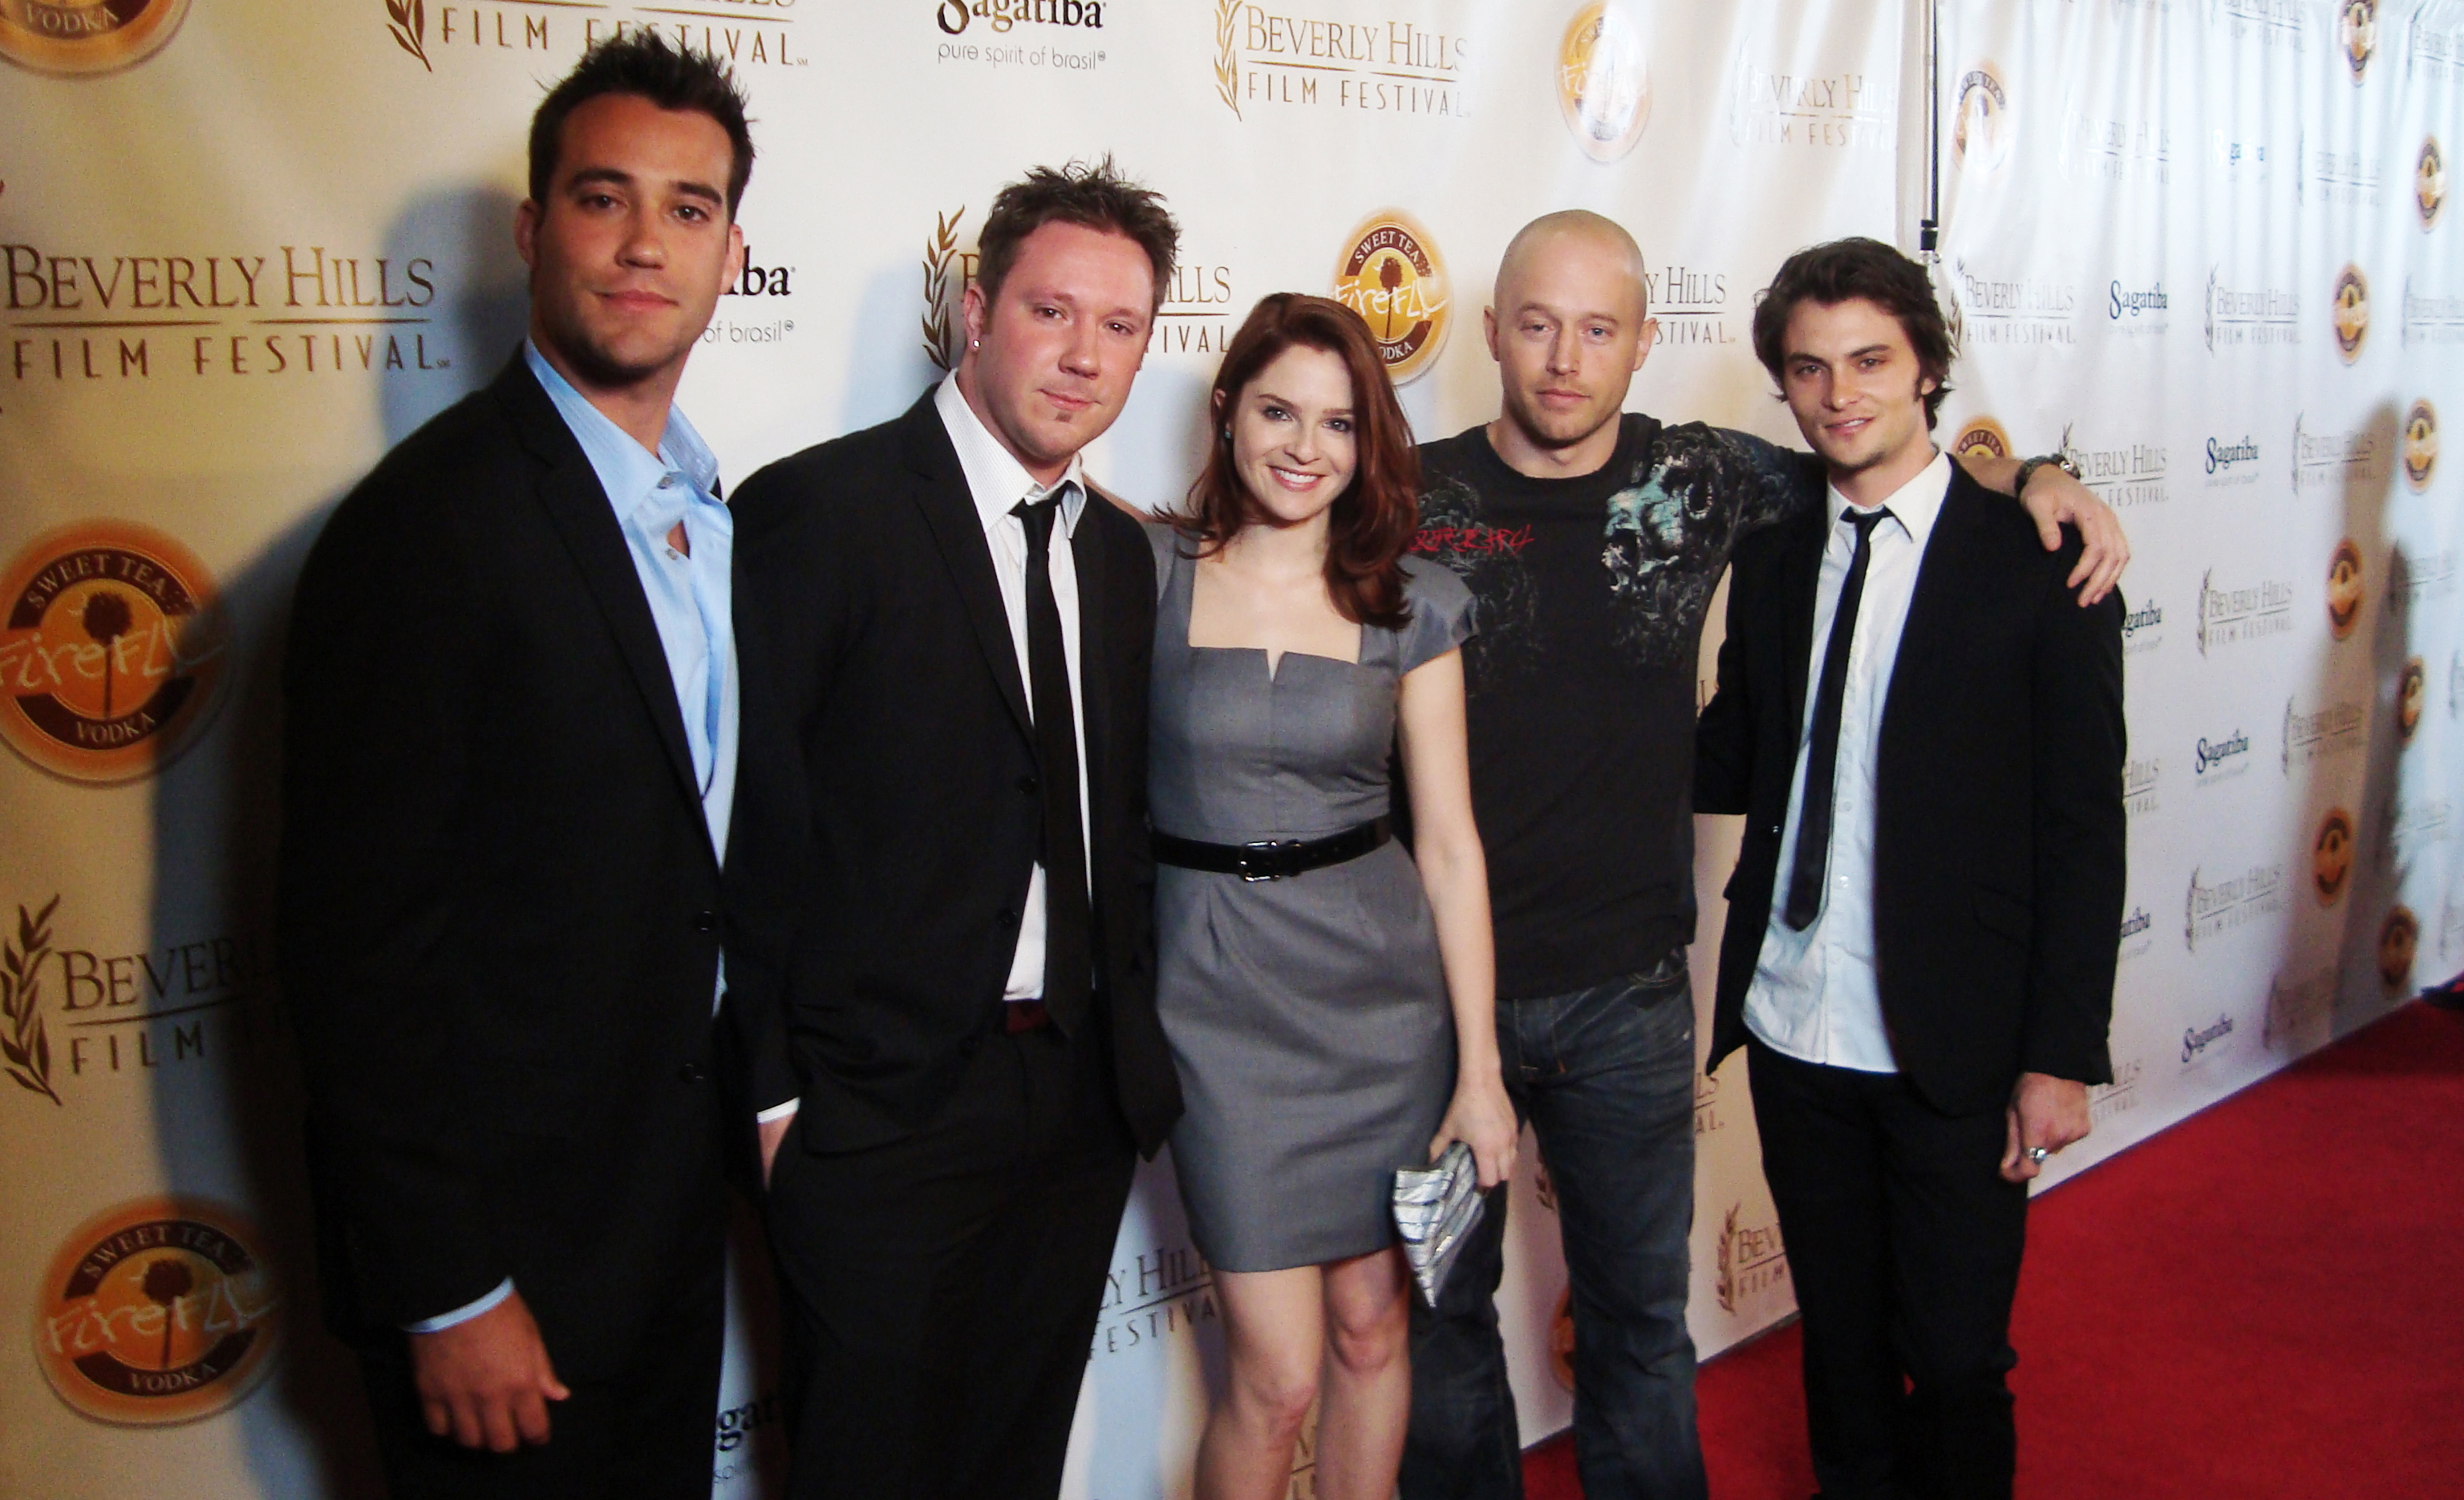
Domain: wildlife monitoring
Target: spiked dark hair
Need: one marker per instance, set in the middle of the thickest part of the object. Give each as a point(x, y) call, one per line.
point(1096, 197)
point(1843, 271)
point(642, 63)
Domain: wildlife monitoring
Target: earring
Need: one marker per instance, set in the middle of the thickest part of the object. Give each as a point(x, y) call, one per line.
point(1227, 434)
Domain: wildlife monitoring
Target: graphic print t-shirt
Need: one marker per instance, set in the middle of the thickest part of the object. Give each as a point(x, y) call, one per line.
point(1589, 597)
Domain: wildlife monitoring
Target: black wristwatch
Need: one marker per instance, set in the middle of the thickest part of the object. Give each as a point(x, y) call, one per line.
point(2029, 466)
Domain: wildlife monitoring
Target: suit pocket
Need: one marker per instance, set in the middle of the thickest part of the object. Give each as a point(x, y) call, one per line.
point(2004, 913)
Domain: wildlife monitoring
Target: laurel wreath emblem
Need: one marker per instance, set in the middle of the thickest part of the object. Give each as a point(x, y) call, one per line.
point(26, 1050)
point(939, 322)
point(1727, 1282)
point(1227, 61)
point(406, 22)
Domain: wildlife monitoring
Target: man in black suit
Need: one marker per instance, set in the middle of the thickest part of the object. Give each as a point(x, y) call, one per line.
point(509, 762)
point(949, 631)
point(1925, 731)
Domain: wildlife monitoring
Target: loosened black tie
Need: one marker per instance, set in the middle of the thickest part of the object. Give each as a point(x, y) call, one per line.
point(1068, 923)
point(1822, 755)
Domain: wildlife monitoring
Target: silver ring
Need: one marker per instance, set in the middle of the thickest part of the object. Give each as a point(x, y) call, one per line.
point(2037, 1155)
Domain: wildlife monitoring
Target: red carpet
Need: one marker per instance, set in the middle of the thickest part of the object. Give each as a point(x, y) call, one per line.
point(2266, 1300)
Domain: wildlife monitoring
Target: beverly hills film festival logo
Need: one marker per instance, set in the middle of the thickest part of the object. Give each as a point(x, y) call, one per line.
point(1283, 57)
point(1604, 80)
point(1196, 317)
point(2429, 182)
point(743, 34)
point(2349, 308)
point(1391, 274)
point(86, 36)
point(159, 1311)
point(2420, 445)
point(111, 651)
point(1750, 1261)
point(120, 1013)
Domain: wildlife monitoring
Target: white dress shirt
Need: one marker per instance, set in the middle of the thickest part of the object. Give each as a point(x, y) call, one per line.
point(1813, 995)
point(999, 481)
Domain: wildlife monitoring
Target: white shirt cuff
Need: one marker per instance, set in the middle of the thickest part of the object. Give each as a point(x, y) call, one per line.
point(464, 1313)
point(778, 1112)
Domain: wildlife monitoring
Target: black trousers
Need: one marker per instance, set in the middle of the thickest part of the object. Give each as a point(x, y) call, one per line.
point(1904, 1243)
point(941, 1291)
point(645, 1434)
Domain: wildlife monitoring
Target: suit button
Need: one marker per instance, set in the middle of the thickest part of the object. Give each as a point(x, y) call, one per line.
point(705, 921)
point(692, 1072)
point(1027, 785)
point(1775, 830)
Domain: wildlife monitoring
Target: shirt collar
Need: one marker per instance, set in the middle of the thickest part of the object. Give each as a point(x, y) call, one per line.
point(1914, 505)
point(624, 469)
point(995, 477)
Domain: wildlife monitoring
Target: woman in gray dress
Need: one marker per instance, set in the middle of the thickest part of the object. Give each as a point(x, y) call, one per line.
point(1328, 996)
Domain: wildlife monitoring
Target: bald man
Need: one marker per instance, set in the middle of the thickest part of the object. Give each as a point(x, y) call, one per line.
point(1591, 539)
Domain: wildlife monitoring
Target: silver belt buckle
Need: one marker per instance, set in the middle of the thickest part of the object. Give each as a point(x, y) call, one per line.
point(1263, 847)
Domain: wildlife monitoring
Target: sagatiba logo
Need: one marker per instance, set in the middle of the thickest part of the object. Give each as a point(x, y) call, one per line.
point(2331, 856)
point(1829, 111)
point(2210, 911)
point(2411, 692)
point(1751, 1261)
point(161, 1310)
point(742, 34)
point(2142, 630)
point(2196, 1040)
point(111, 651)
point(1386, 66)
point(955, 17)
point(2357, 31)
point(2221, 759)
point(1195, 318)
point(2420, 445)
point(2349, 306)
point(2399, 935)
point(2354, 454)
point(2320, 734)
point(2232, 461)
point(2238, 316)
point(1391, 274)
point(992, 48)
point(1604, 80)
point(298, 312)
point(1982, 435)
point(86, 36)
point(2137, 932)
point(127, 1013)
point(1982, 130)
point(2429, 182)
point(2347, 587)
point(2245, 613)
point(2139, 308)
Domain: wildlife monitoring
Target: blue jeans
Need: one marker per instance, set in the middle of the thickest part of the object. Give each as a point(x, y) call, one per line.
point(1606, 1077)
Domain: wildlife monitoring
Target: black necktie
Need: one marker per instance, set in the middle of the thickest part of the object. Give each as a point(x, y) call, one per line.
point(1822, 755)
point(1069, 922)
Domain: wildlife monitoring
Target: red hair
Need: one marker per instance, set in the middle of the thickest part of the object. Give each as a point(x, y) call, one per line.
point(1372, 523)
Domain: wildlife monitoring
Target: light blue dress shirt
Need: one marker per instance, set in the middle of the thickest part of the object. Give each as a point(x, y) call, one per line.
point(1815, 995)
point(691, 599)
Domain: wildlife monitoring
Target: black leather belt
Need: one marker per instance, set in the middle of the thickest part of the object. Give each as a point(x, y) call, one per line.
point(1273, 859)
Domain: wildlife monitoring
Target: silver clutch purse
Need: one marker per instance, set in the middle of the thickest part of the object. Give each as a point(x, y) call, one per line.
point(1436, 1209)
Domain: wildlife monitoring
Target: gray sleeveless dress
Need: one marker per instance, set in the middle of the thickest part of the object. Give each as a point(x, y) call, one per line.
point(1308, 1016)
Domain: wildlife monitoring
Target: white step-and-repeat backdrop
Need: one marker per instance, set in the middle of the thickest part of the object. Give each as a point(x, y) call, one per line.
point(249, 245)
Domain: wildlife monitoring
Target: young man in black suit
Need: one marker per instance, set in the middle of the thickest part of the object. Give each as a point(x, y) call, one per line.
point(1925, 731)
point(509, 762)
point(949, 631)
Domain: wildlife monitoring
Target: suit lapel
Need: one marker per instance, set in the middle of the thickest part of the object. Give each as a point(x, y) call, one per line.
point(1800, 576)
point(569, 491)
point(958, 531)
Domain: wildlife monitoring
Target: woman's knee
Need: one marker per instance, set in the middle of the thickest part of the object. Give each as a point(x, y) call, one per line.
point(1278, 1387)
point(1366, 1338)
